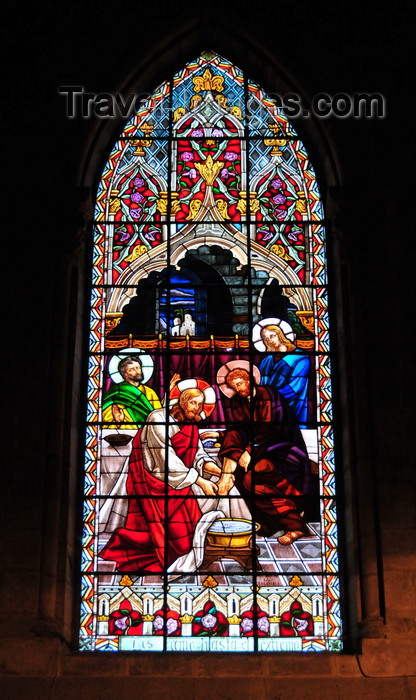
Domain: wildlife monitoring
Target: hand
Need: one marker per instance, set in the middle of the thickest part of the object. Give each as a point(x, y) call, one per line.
point(118, 413)
point(208, 487)
point(214, 434)
point(244, 460)
point(173, 382)
point(225, 484)
point(212, 468)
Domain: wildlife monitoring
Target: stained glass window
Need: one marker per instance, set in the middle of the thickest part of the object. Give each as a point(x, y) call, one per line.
point(210, 501)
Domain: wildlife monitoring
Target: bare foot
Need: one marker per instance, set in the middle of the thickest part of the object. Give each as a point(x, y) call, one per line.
point(225, 484)
point(290, 537)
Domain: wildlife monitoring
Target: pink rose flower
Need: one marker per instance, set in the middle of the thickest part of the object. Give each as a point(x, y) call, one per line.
point(300, 625)
point(279, 199)
point(158, 623)
point(247, 624)
point(121, 623)
point(263, 624)
point(171, 625)
point(209, 621)
point(266, 235)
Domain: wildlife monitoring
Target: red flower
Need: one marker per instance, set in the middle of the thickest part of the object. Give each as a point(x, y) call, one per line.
point(210, 621)
point(296, 622)
point(168, 621)
point(125, 620)
point(247, 623)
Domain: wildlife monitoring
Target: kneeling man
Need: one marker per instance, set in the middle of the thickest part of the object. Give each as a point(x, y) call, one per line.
point(166, 525)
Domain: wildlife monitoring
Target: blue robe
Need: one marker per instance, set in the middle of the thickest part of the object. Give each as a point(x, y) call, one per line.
point(289, 374)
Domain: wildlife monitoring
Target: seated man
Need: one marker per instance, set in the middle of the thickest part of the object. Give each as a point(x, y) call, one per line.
point(264, 454)
point(126, 406)
point(129, 400)
point(166, 525)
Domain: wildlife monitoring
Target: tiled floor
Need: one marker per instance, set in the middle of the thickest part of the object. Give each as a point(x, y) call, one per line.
point(278, 564)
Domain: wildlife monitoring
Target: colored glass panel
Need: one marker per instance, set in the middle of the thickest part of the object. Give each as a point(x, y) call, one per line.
point(210, 495)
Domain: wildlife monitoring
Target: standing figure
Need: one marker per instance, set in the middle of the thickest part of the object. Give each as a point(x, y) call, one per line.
point(264, 454)
point(287, 368)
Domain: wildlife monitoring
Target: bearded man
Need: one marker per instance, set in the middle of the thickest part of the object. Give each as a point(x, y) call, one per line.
point(264, 454)
point(125, 408)
point(130, 401)
point(166, 525)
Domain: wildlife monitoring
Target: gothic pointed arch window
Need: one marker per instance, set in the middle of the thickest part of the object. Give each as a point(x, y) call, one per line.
point(210, 503)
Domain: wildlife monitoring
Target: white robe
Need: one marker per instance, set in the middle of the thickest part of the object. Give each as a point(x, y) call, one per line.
point(157, 453)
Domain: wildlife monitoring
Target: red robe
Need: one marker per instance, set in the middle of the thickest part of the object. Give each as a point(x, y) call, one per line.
point(161, 520)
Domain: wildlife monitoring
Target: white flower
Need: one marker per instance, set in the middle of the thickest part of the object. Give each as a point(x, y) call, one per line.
point(209, 621)
point(158, 623)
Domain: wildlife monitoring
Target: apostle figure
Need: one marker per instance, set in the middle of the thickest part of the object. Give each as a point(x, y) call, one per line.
point(130, 401)
point(264, 454)
point(285, 367)
point(125, 408)
point(166, 524)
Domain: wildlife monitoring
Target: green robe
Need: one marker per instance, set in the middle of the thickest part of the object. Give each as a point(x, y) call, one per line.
point(133, 399)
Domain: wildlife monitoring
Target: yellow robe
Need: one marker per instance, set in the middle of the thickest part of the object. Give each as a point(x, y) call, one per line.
point(108, 417)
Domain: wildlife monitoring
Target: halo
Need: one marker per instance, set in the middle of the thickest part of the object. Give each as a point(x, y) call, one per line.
point(235, 364)
point(146, 361)
point(284, 326)
point(207, 390)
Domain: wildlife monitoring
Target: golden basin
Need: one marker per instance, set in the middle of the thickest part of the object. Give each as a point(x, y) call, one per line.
point(231, 532)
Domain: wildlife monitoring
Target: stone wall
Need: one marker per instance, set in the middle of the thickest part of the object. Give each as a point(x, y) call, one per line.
point(366, 170)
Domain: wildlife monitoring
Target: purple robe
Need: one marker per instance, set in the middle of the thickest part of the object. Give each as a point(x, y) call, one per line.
point(279, 472)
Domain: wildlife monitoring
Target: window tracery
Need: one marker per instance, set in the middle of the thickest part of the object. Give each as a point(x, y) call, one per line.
point(210, 499)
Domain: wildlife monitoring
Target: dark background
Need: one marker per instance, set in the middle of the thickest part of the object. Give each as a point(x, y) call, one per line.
point(47, 187)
